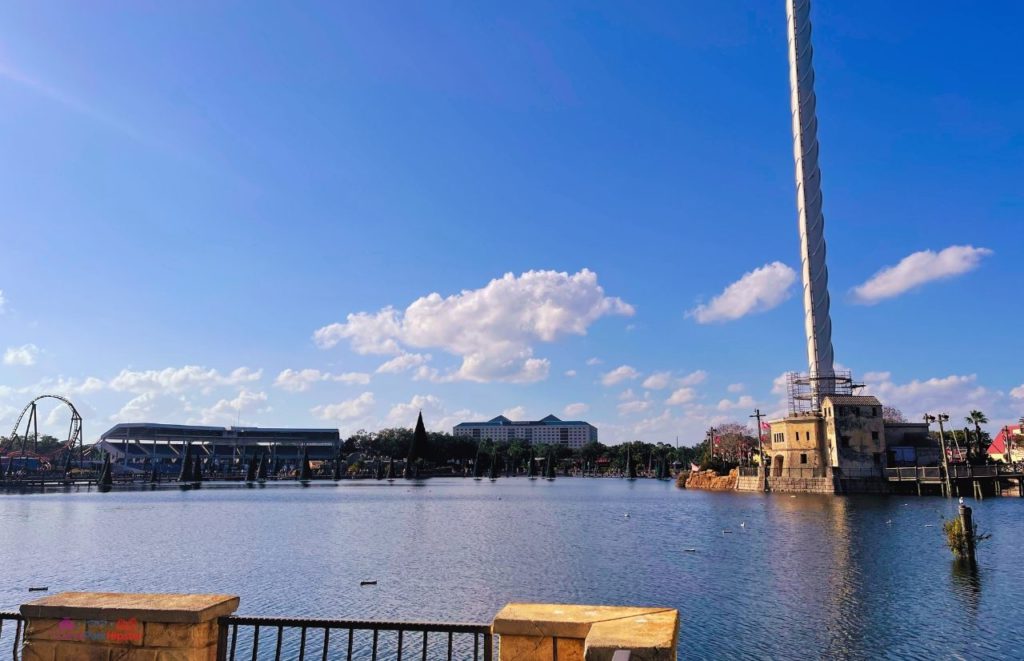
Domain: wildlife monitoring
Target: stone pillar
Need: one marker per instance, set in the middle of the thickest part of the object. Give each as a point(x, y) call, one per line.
point(530, 632)
point(132, 627)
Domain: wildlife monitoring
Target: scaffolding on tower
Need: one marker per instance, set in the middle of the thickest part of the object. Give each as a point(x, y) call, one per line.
point(800, 389)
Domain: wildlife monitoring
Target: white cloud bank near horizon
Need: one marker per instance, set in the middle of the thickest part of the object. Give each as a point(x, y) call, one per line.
point(492, 330)
point(25, 355)
point(918, 269)
point(759, 290)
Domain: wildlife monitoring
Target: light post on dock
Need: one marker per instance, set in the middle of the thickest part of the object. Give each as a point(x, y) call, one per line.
point(761, 470)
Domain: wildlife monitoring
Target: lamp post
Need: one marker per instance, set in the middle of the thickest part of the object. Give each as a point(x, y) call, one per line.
point(761, 471)
point(943, 417)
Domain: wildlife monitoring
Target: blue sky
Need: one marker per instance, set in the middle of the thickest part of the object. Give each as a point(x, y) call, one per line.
point(196, 197)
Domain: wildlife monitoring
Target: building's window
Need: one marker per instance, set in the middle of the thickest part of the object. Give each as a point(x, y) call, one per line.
point(878, 458)
point(803, 458)
point(874, 411)
point(563, 434)
point(874, 436)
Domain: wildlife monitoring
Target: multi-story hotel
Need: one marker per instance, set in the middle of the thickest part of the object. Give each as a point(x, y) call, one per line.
point(550, 430)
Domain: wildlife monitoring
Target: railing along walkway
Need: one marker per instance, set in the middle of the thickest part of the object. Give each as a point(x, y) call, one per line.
point(11, 633)
point(246, 637)
point(956, 472)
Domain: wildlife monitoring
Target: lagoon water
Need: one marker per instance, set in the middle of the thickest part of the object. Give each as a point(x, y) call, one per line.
point(797, 577)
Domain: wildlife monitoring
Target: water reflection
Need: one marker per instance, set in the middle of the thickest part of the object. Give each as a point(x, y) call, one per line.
point(753, 575)
point(966, 584)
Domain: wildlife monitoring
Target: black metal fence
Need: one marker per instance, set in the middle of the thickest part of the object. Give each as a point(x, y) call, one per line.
point(11, 633)
point(255, 638)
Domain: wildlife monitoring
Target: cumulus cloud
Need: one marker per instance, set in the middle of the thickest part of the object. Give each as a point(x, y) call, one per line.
point(435, 415)
point(918, 269)
point(575, 410)
point(347, 409)
point(403, 362)
point(681, 396)
point(137, 409)
point(302, 380)
point(694, 378)
point(515, 413)
point(736, 387)
point(635, 406)
point(1018, 392)
point(24, 355)
point(594, 361)
point(618, 375)
point(570, 373)
point(658, 381)
point(228, 411)
point(955, 394)
point(180, 379)
point(491, 329)
point(744, 402)
point(757, 291)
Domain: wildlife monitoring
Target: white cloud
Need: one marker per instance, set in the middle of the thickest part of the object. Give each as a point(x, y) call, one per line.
point(575, 410)
point(955, 394)
point(1018, 392)
point(180, 379)
point(757, 291)
point(65, 386)
point(298, 380)
point(658, 380)
point(491, 329)
point(347, 409)
point(635, 406)
point(138, 409)
point(694, 378)
point(230, 411)
point(681, 396)
point(618, 375)
point(744, 402)
point(350, 378)
point(570, 373)
point(627, 394)
point(24, 355)
point(918, 269)
point(302, 380)
point(435, 415)
point(515, 413)
point(594, 361)
point(403, 362)
point(736, 387)
point(3, 302)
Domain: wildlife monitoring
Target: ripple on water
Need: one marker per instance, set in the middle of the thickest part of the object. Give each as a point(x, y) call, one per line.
point(818, 577)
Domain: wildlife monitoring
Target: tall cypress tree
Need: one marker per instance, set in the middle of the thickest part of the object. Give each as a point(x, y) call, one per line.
point(416, 448)
point(186, 465)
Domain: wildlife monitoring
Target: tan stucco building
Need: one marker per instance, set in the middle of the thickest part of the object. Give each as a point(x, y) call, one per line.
point(846, 437)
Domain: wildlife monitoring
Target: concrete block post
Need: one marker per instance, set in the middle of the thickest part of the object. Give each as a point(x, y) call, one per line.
point(132, 627)
point(542, 632)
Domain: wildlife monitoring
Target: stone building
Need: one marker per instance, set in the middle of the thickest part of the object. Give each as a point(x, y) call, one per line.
point(845, 438)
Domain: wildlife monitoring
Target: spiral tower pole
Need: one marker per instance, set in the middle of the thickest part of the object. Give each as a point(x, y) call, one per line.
point(817, 320)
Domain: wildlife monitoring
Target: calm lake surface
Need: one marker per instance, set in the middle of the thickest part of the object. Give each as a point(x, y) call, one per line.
point(797, 577)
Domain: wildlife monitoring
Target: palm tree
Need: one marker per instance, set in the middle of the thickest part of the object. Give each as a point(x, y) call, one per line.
point(977, 418)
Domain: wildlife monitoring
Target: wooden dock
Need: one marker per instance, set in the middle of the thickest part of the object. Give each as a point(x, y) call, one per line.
point(962, 479)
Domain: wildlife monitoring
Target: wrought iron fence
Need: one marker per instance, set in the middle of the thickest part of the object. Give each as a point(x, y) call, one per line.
point(255, 638)
point(11, 633)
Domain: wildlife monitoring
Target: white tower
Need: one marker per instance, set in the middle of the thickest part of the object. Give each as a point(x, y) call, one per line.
point(817, 322)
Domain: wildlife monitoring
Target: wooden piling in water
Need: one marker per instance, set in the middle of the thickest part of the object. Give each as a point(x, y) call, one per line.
point(968, 526)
